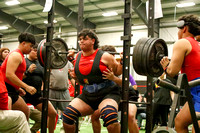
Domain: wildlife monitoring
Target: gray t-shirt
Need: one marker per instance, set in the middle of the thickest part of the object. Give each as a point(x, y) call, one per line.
point(59, 77)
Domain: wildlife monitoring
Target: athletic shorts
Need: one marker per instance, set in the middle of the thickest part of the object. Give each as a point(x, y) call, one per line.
point(195, 92)
point(33, 99)
point(94, 99)
point(133, 94)
point(12, 92)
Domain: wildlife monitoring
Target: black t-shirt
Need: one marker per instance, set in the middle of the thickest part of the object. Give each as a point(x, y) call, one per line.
point(36, 77)
point(162, 95)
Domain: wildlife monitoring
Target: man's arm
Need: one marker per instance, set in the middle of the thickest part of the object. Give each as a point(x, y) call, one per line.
point(111, 62)
point(110, 75)
point(180, 49)
point(14, 60)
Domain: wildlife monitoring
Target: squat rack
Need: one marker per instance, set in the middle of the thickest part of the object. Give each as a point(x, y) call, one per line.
point(126, 62)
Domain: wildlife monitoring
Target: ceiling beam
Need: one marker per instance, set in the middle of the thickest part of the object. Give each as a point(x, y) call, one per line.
point(68, 14)
point(19, 24)
point(140, 8)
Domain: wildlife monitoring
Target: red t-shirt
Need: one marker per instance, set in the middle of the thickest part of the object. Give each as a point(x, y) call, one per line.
point(191, 64)
point(3, 94)
point(4, 101)
point(19, 72)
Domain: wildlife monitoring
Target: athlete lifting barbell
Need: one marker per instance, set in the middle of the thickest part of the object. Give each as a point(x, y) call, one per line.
point(59, 53)
point(186, 57)
point(147, 60)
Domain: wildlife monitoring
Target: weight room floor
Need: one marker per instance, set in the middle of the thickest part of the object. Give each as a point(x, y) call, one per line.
point(86, 126)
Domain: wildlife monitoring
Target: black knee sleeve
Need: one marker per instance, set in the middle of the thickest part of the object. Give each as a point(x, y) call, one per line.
point(109, 115)
point(70, 114)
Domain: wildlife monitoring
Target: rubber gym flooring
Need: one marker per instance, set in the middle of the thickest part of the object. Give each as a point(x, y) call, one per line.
point(86, 127)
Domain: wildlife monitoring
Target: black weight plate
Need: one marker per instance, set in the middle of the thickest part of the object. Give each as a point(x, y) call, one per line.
point(136, 59)
point(41, 50)
point(162, 50)
point(145, 57)
point(158, 47)
point(137, 56)
point(58, 60)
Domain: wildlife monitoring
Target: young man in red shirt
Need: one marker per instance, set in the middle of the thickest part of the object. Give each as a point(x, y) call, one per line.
point(13, 69)
point(97, 93)
point(186, 58)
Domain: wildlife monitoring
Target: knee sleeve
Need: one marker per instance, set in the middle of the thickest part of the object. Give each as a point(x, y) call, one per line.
point(109, 115)
point(70, 115)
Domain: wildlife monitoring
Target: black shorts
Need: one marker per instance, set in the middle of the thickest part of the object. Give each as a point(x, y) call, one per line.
point(133, 95)
point(33, 99)
point(94, 99)
point(12, 92)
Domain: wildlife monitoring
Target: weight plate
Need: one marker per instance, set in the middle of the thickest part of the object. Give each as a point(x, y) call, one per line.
point(41, 50)
point(156, 51)
point(57, 60)
point(144, 55)
point(147, 54)
point(137, 56)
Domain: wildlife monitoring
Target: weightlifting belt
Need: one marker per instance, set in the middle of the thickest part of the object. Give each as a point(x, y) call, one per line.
point(97, 87)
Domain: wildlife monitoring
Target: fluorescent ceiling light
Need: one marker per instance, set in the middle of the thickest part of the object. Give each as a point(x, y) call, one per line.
point(3, 27)
point(106, 14)
point(12, 2)
point(185, 4)
point(54, 21)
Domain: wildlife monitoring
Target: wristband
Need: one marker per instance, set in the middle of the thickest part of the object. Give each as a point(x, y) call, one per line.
point(165, 70)
point(70, 58)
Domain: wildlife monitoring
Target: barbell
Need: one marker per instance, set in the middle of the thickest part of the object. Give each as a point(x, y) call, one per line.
point(146, 55)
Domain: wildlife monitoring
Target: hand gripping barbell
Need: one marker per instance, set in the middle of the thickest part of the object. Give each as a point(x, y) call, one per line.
point(146, 55)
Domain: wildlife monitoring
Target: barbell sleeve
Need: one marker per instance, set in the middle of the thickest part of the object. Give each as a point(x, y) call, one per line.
point(174, 88)
point(194, 83)
point(168, 85)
